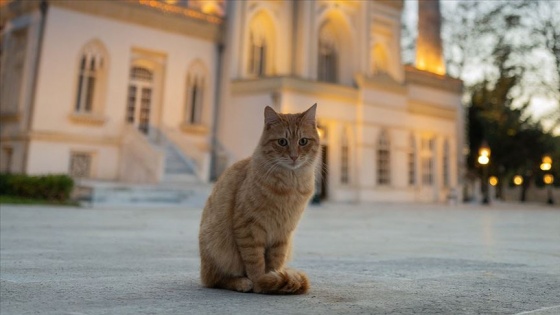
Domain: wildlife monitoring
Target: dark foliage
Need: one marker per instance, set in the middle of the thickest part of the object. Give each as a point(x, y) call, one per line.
point(47, 187)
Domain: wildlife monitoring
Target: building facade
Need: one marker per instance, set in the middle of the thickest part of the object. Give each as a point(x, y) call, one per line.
point(151, 91)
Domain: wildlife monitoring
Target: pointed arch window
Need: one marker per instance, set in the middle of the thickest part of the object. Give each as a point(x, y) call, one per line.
point(327, 62)
point(345, 158)
point(412, 162)
point(257, 54)
point(195, 92)
point(383, 159)
point(90, 77)
point(261, 41)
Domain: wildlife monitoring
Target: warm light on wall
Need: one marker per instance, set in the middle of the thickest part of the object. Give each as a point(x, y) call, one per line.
point(548, 179)
point(431, 62)
point(429, 51)
point(518, 180)
point(493, 180)
point(175, 9)
point(321, 132)
point(210, 7)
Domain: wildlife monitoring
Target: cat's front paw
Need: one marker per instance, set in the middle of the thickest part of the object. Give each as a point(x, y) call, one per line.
point(244, 285)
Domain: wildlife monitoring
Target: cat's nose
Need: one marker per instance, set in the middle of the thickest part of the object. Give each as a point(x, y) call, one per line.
point(293, 157)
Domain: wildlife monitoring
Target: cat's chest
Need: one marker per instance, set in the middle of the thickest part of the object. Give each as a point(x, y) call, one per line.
point(281, 220)
point(292, 188)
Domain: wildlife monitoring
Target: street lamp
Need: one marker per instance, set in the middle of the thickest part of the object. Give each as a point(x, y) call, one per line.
point(548, 179)
point(483, 160)
point(546, 164)
point(518, 180)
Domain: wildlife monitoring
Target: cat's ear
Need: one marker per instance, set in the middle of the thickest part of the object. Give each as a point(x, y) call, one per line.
point(309, 115)
point(270, 116)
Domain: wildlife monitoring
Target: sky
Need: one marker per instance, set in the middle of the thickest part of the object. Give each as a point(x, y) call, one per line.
point(540, 106)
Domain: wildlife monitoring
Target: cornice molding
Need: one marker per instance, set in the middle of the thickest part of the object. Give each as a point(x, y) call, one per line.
point(74, 138)
point(382, 82)
point(425, 78)
point(147, 13)
point(289, 83)
point(90, 119)
point(432, 110)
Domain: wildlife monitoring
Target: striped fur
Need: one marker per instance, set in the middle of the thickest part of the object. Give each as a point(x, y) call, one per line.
point(285, 281)
point(247, 224)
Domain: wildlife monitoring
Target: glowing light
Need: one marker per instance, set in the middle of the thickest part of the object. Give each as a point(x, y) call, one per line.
point(211, 7)
point(546, 163)
point(175, 9)
point(484, 151)
point(493, 180)
point(518, 180)
point(548, 179)
point(483, 159)
point(321, 132)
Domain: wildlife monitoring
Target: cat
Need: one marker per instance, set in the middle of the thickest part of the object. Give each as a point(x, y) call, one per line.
point(247, 223)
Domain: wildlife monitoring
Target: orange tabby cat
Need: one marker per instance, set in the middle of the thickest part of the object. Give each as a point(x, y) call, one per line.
point(248, 221)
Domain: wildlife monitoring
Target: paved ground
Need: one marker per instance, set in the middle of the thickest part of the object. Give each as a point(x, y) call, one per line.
point(368, 259)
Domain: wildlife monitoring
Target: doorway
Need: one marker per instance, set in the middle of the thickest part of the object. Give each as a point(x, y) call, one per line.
point(139, 101)
point(322, 177)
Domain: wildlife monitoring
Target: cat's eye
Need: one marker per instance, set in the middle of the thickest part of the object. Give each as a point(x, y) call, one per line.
point(303, 141)
point(283, 142)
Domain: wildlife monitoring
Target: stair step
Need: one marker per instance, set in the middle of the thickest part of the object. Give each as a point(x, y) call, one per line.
point(165, 194)
point(180, 178)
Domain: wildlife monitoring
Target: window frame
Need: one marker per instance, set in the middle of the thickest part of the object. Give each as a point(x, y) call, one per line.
point(383, 159)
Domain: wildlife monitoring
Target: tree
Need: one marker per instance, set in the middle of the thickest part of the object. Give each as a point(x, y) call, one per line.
point(501, 91)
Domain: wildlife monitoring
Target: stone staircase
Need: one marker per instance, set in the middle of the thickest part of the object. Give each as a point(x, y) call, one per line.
point(180, 185)
point(178, 169)
point(113, 194)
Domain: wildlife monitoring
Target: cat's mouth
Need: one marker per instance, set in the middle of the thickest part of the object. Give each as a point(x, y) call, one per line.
point(293, 165)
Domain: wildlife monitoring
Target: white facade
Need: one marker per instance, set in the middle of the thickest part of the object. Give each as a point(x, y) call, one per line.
point(163, 85)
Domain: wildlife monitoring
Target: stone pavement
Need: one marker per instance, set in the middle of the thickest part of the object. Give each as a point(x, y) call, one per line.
point(361, 259)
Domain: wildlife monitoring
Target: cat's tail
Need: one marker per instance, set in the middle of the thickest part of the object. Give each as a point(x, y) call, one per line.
point(287, 281)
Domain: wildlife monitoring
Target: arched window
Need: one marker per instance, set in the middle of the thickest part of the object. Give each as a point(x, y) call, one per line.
point(195, 88)
point(412, 161)
point(261, 39)
point(257, 54)
point(445, 165)
point(196, 84)
point(91, 70)
point(383, 159)
point(344, 158)
point(427, 158)
point(327, 62)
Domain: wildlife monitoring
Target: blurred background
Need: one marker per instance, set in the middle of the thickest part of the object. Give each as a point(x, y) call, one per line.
point(145, 101)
